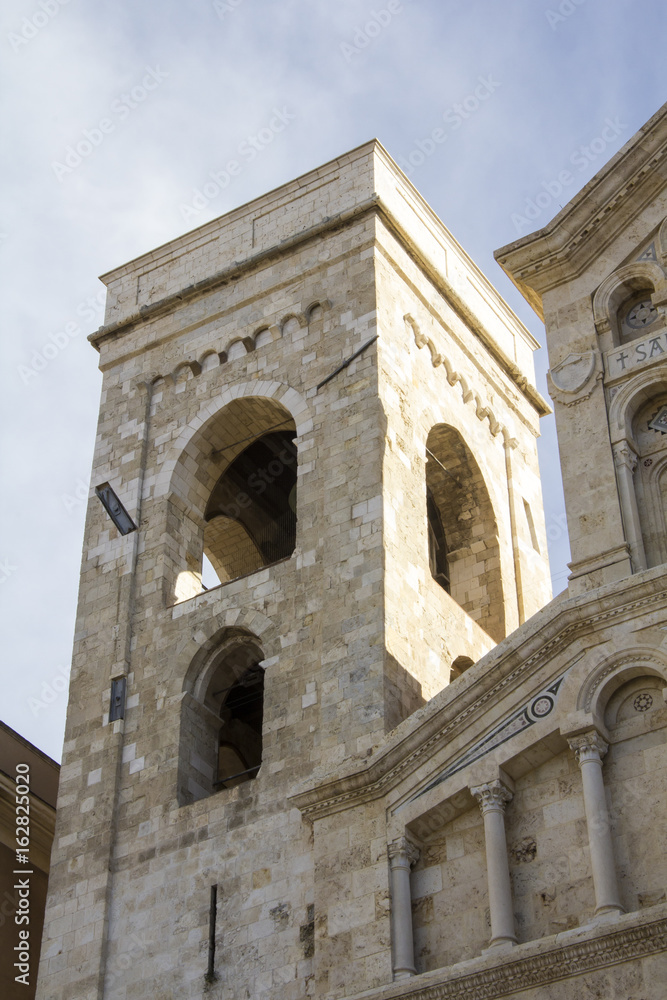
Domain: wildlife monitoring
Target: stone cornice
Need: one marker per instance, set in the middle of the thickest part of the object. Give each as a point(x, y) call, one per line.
point(593, 218)
point(374, 206)
point(548, 961)
point(435, 726)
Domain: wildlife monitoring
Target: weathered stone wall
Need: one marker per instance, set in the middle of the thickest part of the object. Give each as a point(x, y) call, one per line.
point(211, 341)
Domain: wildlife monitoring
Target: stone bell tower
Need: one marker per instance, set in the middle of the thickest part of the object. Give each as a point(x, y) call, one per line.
point(320, 394)
point(598, 277)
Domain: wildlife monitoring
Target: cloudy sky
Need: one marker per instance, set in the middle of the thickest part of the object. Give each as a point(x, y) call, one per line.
point(117, 111)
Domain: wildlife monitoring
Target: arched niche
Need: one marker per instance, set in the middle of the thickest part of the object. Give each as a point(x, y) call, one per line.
point(622, 306)
point(221, 719)
point(635, 718)
point(649, 438)
point(462, 532)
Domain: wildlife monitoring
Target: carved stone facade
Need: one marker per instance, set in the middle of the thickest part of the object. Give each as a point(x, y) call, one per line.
point(403, 771)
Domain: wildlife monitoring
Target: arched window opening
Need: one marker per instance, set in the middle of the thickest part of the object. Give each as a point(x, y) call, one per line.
point(233, 497)
point(649, 433)
point(463, 548)
point(221, 720)
point(459, 666)
point(251, 513)
point(437, 544)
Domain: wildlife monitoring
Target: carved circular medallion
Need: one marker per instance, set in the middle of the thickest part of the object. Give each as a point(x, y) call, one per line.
point(542, 706)
point(641, 314)
point(642, 702)
point(648, 462)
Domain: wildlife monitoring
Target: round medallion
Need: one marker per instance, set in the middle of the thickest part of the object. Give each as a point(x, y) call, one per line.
point(648, 462)
point(542, 706)
point(641, 314)
point(642, 702)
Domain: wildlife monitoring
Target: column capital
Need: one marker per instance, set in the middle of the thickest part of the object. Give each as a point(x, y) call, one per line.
point(588, 747)
point(402, 851)
point(492, 795)
point(624, 456)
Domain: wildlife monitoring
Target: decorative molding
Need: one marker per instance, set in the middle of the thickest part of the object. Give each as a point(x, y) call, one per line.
point(588, 746)
point(638, 657)
point(538, 708)
point(314, 805)
point(574, 379)
point(482, 410)
point(493, 795)
point(553, 964)
point(402, 851)
point(624, 455)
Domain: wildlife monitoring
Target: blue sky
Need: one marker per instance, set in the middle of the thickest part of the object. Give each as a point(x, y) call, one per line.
point(158, 96)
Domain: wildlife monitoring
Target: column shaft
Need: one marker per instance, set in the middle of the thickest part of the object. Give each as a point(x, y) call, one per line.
point(402, 855)
point(589, 750)
point(625, 460)
point(492, 799)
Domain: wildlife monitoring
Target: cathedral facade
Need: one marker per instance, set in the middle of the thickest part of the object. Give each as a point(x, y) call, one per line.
point(375, 758)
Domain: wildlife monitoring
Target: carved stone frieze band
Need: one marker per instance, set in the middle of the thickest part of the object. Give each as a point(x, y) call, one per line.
point(561, 961)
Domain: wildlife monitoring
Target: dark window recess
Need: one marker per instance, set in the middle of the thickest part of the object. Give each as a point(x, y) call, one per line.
point(437, 544)
point(257, 493)
point(240, 743)
point(117, 705)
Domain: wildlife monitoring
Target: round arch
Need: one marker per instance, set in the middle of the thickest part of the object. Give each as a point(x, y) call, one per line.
point(616, 289)
point(186, 444)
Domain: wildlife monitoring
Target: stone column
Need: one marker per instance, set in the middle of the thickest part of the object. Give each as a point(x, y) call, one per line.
point(589, 749)
point(402, 856)
point(492, 799)
point(625, 461)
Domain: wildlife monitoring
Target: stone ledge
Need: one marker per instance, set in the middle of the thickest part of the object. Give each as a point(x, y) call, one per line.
point(536, 963)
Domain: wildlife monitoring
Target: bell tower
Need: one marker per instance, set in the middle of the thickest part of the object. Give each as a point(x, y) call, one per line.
point(598, 276)
point(322, 396)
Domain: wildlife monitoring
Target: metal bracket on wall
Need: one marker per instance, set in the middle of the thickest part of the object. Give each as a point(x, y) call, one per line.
point(115, 509)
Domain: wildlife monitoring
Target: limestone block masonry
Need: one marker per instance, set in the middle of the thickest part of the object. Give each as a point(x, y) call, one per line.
point(374, 759)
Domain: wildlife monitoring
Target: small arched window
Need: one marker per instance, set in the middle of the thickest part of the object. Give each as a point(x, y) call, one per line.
point(221, 720)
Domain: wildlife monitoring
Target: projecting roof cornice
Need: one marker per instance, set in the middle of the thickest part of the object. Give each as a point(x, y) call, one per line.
point(617, 194)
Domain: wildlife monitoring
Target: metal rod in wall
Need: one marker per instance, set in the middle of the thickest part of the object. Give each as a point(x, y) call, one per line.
point(211, 930)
